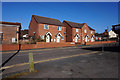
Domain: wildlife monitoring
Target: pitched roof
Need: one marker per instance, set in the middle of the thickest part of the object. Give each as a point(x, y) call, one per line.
point(77, 25)
point(10, 23)
point(46, 20)
point(90, 28)
point(74, 25)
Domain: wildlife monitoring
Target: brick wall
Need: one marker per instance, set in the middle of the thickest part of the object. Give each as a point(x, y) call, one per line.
point(88, 33)
point(53, 30)
point(99, 42)
point(7, 47)
point(49, 45)
point(9, 32)
point(74, 33)
point(33, 27)
point(68, 32)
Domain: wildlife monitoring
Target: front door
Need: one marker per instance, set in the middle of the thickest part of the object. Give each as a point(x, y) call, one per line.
point(86, 38)
point(47, 38)
point(76, 39)
point(92, 39)
point(58, 38)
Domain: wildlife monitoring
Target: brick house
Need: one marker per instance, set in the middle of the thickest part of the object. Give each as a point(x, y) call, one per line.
point(47, 29)
point(78, 33)
point(10, 32)
point(102, 36)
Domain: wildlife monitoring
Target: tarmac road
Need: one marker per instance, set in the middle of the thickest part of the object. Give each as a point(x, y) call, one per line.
point(74, 62)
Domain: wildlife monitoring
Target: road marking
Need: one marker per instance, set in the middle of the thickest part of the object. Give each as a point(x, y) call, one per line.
point(22, 64)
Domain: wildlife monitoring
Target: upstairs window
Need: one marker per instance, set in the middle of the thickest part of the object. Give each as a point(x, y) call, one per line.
point(46, 26)
point(85, 31)
point(59, 28)
point(76, 30)
point(83, 38)
point(91, 32)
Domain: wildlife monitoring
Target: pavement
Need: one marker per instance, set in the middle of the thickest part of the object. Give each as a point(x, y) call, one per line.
point(69, 62)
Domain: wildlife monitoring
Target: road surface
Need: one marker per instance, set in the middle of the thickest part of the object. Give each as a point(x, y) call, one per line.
point(70, 62)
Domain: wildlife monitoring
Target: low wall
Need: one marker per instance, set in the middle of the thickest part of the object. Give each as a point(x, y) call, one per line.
point(99, 42)
point(7, 47)
point(50, 45)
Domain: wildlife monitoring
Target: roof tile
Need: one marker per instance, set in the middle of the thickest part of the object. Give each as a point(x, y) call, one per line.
point(46, 20)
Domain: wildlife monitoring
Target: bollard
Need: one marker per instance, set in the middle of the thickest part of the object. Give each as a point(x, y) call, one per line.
point(31, 64)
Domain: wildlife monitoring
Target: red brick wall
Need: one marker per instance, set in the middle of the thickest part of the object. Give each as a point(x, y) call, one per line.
point(88, 33)
point(39, 29)
point(99, 42)
point(7, 47)
point(9, 32)
point(53, 30)
point(33, 27)
point(27, 46)
point(49, 45)
point(68, 32)
point(74, 32)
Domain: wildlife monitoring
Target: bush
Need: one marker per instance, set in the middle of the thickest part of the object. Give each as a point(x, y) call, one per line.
point(26, 42)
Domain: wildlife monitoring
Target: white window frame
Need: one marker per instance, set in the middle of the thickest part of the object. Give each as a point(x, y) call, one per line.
point(13, 40)
point(45, 27)
point(59, 28)
point(91, 32)
point(83, 38)
point(77, 30)
point(85, 31)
